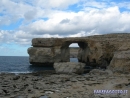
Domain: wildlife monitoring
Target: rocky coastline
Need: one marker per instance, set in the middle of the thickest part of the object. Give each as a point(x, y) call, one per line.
point(108, 55)
point(49, 84)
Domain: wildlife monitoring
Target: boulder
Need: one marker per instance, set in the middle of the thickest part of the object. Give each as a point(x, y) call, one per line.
point(44, 55)
point(40, 55)
point(69, 67)
point(100, 72)
point(120, 62)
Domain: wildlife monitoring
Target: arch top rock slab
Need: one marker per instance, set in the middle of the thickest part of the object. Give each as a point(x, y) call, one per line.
point(52, 42)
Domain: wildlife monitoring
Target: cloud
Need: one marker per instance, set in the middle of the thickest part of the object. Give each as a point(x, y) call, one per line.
point(13, 10)
point(72, 24)
point(95, 4)
point(65, 21)
point(81, 34)
point(96, 21)
point(93, 18)
point(123, 4)
point(5, 36)
point(59, 4)
point(30, 14)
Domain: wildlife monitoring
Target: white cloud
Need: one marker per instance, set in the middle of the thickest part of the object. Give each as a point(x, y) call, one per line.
point(93, 18)
point(30, 14)
point(95, 4)
point(5, 36)
point(78, 34)
point(72, 24)
point(124, 4)
point(14, 10)
point(60, 4)
point(96, 21)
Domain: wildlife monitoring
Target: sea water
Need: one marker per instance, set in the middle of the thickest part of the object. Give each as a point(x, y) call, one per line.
point(20, 64)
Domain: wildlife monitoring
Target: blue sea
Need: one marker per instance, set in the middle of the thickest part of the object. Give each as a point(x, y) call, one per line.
point(20, 64)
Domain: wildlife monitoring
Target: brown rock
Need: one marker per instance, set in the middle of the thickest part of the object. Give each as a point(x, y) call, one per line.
point(98, 50)
point(69, 67)
point(121, 62)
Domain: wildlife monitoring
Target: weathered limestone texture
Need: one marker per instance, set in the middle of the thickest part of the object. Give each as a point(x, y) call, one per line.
point(121, 62)
point(69, 67)
point(98, 51)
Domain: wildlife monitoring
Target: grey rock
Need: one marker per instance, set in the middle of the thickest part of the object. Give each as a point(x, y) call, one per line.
point(37, 86)
point(16, 77)
point(35, 79)
point(73, 80)
point(16, 90)
point(81, 79)
point(1, 92)
point(69, 67)
point(120, 62)
point(43, 97)
point(40, 55)
point(98, 72)
point(20, 97)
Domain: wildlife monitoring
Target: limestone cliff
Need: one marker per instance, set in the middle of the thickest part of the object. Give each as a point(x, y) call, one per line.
point(111, 50)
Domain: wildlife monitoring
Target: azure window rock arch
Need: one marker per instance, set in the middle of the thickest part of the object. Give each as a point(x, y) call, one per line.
point(47, 51)
point(94, 50)
point(51, 50)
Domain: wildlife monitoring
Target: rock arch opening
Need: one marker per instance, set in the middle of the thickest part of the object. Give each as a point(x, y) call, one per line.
point(73, 52)
point(65, 51)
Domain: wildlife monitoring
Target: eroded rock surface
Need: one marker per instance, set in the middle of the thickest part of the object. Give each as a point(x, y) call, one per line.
point(97, 51)
point(121, 62)
point(52, 85)
point(69, 67)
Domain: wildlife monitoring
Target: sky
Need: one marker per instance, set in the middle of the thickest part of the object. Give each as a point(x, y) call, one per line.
point(23, 20)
